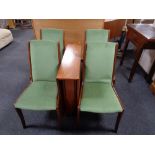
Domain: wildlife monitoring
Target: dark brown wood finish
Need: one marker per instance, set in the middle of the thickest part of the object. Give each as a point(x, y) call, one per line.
point(115, 58)
point(151, 73)
point(21, 116)
point(152, 87)
point(59, 55)
point(41, 37)
point(113, 77)
point(115, 26)
point(143, 37)
point(29, 61)
point(68, 77)
point(120, 114)
point(58, 110)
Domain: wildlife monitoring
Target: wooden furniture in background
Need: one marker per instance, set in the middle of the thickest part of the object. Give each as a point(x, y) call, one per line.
point(151, 73)
point(143, 37)
point(23, 23)
point(152, 87)
point(115, 26)
point(74, 29)
point(11, 24)
point(68, 77)
point(143, 21)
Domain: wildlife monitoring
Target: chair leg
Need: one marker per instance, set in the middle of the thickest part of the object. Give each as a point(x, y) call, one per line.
point(59, 117)
point(78, 117)
point(21, 116)
point(118, 121)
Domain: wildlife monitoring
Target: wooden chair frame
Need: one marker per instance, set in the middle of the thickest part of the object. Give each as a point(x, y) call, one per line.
point(112, 84)
point(19, 111)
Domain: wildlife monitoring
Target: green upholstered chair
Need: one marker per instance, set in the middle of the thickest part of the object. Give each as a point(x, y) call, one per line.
point(97, 35)
point(55, 35)
point(98, 94)
point(41, 93)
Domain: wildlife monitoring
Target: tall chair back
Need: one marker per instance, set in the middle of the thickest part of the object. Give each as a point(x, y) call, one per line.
point(99, 62)
point(55, 35)
point(97, 35)
point(44, 59)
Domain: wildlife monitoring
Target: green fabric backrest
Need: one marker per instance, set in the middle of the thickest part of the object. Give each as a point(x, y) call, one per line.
point(44, 60)
point(99, 62)
point(54, 35)
point(97, 35)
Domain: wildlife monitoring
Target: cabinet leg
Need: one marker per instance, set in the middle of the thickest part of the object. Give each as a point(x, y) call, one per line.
point(78, 117)
point(151, 73)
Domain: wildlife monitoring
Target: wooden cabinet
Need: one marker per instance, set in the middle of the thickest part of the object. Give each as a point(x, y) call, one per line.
point(68, 77)
point(143, 37)
point(115, 26)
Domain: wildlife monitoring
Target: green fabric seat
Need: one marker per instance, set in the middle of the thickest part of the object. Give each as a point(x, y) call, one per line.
point(99, 98)
point(39, 95)
point(55, 35)
point(98, 94)
point(97, 35)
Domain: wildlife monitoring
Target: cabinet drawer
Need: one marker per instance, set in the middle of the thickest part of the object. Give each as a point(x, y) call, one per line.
point(135, 38)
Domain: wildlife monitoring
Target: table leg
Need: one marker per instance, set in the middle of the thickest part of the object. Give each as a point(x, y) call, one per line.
point(75, 93)
point(61, 92)
point(135, 64)
point(151, 73)
point(124, 51)
point(123, 34)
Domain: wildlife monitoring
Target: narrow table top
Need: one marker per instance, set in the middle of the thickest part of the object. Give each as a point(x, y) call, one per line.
point(70, 64)
point(146, 30)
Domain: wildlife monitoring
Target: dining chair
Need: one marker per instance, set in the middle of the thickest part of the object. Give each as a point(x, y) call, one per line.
point(96, 35)
point(56, 35)
point(97, 94)
point(41, 93)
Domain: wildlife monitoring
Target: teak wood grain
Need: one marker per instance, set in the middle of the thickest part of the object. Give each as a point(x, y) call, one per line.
point(70, 64)
point(68, 77)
